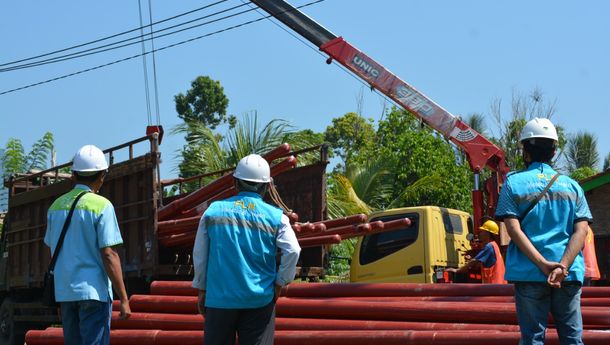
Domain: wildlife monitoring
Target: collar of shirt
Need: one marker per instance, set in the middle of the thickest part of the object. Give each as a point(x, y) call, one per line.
point(540, 166)
point(83, 187)
point(250, 194)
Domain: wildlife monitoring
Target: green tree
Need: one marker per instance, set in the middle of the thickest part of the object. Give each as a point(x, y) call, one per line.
point(204, 102)
point(582, 173)
point(607, 162)
point(349, 134)
point(206, 151)
point(16, 160)
point(581, 151)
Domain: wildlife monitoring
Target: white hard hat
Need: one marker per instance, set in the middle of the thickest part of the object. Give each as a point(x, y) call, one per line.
point(253, 168)
point(89, 159)
point(539, 128)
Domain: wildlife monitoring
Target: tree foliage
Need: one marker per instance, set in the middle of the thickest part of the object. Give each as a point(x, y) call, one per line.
point(582, 173)
point(607, 162)
point(349, 134)
point(16, 160)
point(581, 151)
point(204, 102)
point(404, 165)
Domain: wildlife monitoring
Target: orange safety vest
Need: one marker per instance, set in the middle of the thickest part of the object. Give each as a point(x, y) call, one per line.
point(588, 252)
point(495, 273)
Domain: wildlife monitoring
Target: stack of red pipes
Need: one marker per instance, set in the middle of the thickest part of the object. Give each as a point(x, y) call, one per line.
point(325, 313)
point(178, 220)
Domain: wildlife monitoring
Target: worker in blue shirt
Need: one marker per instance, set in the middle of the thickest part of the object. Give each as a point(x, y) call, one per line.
point(490, 258)
point(544, 259)
point(87, 266)
point(234, 259)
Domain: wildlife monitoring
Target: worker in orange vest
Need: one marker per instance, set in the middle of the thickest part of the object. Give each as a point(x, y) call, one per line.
point(588, 253)
point(490, 258)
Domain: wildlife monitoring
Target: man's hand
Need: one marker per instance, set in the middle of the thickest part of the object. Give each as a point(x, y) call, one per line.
point(547, 267)
point(278, 291)
point(201, 302)
point(556, 277)
point(125, 310)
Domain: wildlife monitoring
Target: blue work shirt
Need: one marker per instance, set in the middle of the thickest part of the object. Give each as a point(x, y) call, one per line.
point(235, 252)
point(79, 270)
point(487, 256)
point(549, 225)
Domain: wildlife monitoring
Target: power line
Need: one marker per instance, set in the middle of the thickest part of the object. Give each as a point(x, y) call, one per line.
point(152, 42)
point(146, 53)
point(113, 36)
point(97, 50)
point(146, 89)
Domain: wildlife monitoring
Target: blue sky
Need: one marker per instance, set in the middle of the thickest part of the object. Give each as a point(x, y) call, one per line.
point(462, 54)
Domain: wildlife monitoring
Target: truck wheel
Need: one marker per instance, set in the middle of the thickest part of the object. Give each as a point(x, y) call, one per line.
point(9, 334)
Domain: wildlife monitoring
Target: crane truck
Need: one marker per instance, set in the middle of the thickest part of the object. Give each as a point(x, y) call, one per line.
point(436, 235)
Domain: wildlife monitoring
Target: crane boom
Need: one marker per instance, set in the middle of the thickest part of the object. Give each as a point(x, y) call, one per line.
point(479, 150)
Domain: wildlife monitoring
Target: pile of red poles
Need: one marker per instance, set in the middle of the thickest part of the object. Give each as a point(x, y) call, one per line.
point(323, 313)
point(178, 221)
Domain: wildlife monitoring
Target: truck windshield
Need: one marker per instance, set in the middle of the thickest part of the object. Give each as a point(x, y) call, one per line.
point(377, 246)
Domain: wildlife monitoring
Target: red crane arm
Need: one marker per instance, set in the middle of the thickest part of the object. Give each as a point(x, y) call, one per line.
point(479, 150)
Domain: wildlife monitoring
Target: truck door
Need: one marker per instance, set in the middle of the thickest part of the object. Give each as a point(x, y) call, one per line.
point(393, 256)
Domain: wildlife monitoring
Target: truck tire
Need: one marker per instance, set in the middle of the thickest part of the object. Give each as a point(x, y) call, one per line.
point(10, 334)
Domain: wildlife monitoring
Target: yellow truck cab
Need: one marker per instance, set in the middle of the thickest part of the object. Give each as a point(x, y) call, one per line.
point(435, 240)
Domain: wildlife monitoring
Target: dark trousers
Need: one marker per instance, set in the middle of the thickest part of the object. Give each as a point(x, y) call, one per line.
point(252, 326)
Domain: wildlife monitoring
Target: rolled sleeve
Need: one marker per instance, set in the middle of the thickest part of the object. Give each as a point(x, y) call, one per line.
point(288, 244)
point(108, 232)
point(200, 256)
point(582, 208)
point(507, 207)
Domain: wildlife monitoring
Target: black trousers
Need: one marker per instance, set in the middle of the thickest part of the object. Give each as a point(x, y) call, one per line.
point(252, 326)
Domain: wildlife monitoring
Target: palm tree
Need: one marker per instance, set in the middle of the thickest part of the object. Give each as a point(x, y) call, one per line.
point(607, 162)
point(476, 121)
point(206, 151)
point(582, 151)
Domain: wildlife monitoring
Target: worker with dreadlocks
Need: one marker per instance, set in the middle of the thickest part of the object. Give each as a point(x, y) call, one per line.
point(235, 259)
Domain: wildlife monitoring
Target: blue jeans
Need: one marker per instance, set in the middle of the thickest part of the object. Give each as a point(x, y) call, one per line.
point(534, 301)
point(86, 322)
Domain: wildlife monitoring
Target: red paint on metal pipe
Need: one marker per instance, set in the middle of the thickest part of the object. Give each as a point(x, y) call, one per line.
point(394, 225)
point(293, 217)
point(426, 311)
point(325, 290)
point(349, 220)
point(195, 322)
point(224, 182)
point(54, 336)
point(198, 210)
point(319, 240)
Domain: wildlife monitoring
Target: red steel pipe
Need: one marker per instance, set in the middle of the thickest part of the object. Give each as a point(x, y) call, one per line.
point(198, 210)
point(214, 187)
point(53, 336)
point(394, 225)
point(195, 322)
point(349, 220)
point(324, 290)
point(319, 240)
point(472, 312)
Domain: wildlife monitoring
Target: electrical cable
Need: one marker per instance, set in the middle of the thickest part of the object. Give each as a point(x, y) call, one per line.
point(146, 89)
point(152, 42)
point(113, 36)
point(138, 55)
point(310, 46)
point(95, 50)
